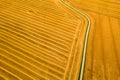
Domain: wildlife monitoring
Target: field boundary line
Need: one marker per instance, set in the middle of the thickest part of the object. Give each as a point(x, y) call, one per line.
point(84, 51)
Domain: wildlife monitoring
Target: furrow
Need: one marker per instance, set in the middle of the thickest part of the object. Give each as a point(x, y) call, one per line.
point(50, 16)
point(15, 71)
point(35, 53)
point(35, 42)
point(8, 75)
point(3, 78)
point(32, 57)
point(36, 69)
point(33, 47)
point(60, 27)
point(38, 38)
point(37, 23)
point(22, 68)
point(50, 32)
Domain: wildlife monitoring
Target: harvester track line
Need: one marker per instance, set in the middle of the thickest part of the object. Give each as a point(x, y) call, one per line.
point(82, 67)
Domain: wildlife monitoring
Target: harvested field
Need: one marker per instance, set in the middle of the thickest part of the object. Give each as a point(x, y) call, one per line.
point(39, 40)
point(103, 51)
point(59, 40)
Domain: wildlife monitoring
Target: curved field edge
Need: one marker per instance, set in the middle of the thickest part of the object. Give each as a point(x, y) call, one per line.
point(81, 73)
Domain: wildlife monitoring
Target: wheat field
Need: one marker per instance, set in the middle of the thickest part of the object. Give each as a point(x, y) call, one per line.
point(103, 52)
point(45, 40)
point(39, 40)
